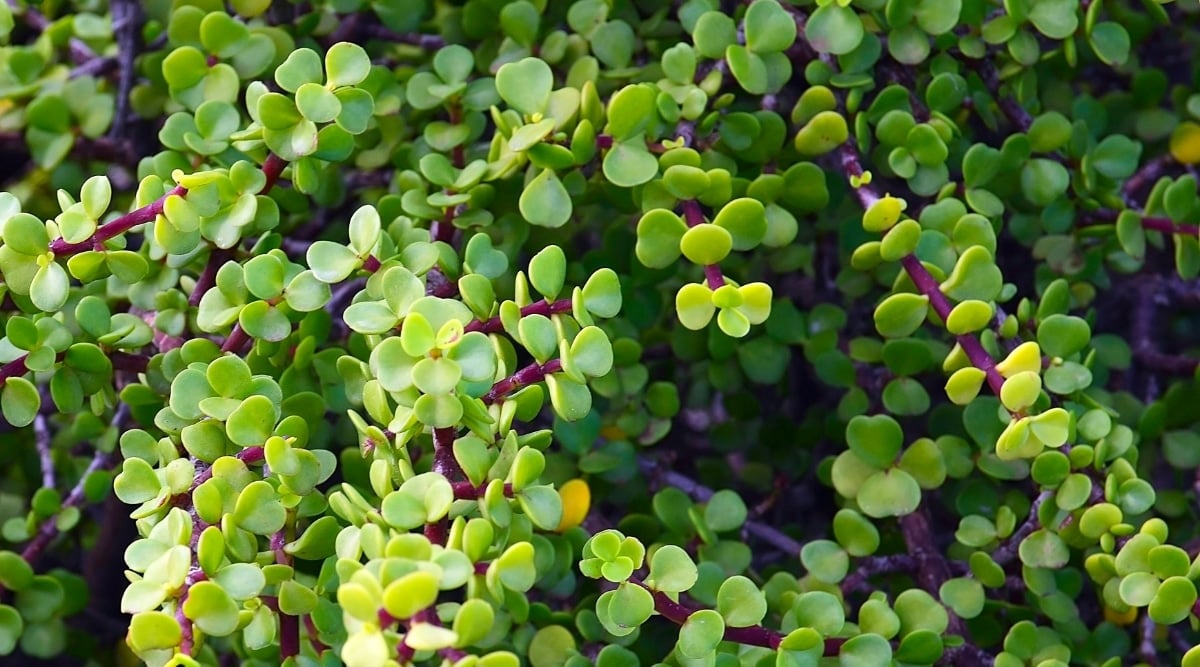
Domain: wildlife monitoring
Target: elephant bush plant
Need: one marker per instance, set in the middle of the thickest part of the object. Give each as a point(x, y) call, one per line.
point(502, 333)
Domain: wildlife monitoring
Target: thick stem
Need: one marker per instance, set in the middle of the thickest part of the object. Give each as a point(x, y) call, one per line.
point(932, 568)
point(468, 491)
point(447, 466)
point(529, 375)
point(273, 168)
point(927, 285)
point(237, 339)
point(208, 278)
point(496, 325)
point(289, 626)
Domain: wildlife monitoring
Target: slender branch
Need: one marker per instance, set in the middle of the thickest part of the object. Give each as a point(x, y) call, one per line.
point(531, 374)
point(496, 325)
point(701, 493)
point(216, 259)
point(110, 149)
point(876, 565)
point(127, 20)
point(932, 568)
point(437, 284)
point(376, 31)
point(1007, 551)
point(101, 460)
point(928, 286)
point(237, 339)
point(41, 434)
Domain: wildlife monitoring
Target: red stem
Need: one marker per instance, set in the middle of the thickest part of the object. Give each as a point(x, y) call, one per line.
point(530, 374)
point(273, 167)
point(547, 308)
point(249, 456)
point(468, 491)
point(447, 466)
point(237, 339)
point(694, 216)
point(756, 635)
point(1168, 226)
point(216, 259)
point(108, 230)
point(289, 626)
point(927, 285)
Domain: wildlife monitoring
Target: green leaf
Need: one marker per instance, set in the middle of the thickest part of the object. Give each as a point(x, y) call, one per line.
point(525, 85)
point(659, 233)
point(1056, 19)
point(19, 401)
point(347, 64)
point(768, 27)
point(1110, 41)
point(706, 244)
point(545, 201)
point(876, 439)
point(211, 609)
point(889, 493)
point(671, 570)
point(834, 28)
point(628, 164)
point(899, 315)
point(1044, 549)
point(740, 602)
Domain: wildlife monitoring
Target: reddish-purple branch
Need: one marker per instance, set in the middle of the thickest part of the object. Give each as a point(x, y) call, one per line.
point(237, 339)
point(249, 456)
point(531, 374)
point(755, 635)
point(546, 308)
point(272, 168)
point(694, 216)
point(447, 466)
point(147, 213)
point(1168, 226)
point(468, 491)
point(927, 285)
point(289, 626)
point(208, 278)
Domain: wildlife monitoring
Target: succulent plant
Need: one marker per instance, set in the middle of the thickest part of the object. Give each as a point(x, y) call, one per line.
point(599, 332)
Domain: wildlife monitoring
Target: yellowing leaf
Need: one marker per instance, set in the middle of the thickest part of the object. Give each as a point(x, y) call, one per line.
point(576, 500)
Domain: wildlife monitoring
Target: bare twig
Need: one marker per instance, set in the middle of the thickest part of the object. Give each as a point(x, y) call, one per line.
point(126, 22)
point(41, 433)
point(1007, 551)
point(701, 493)
point(102, 460)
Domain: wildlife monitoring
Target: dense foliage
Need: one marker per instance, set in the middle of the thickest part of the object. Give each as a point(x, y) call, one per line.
point(614, 332)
